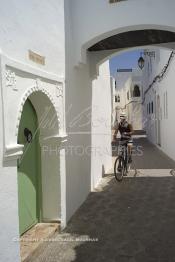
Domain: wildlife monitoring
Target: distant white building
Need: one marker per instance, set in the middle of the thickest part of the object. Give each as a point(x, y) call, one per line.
point(158, 99)
point(128, 95)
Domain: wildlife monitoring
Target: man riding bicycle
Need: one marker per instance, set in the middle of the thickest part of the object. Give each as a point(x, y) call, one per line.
point(126, 131)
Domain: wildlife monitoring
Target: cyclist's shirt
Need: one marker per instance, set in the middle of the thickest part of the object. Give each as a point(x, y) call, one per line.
point(123, 128)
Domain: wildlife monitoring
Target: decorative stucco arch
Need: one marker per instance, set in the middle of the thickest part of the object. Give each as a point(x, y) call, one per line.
point(31, 92)
point(45, 108)
point(45, 91)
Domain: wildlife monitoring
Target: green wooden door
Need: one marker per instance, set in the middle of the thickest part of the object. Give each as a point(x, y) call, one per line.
point(28, 171)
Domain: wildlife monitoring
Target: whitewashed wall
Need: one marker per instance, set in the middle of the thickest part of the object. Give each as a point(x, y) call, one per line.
point(101, 160)
point(38, 27)
point(112, 19)
point(85, 92)
point(167, 126)
point(113, 94)
point(132, 106)
point(78, 123)
point(9, 246)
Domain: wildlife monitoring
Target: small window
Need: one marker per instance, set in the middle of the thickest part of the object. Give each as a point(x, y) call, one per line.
point(166, 99)
point(136, 91)
point(117, 99)
point(128, 95)
point(148, 69)
point(152, 108)
point(165, 105)
point(149, 108)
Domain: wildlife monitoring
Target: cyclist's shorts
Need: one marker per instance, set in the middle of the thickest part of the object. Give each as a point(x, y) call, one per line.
point(129, 141)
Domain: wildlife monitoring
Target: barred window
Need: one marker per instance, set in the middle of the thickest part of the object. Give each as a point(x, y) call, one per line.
point(117, 99)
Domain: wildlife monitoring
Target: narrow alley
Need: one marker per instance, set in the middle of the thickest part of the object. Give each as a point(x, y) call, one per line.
point(131, 221)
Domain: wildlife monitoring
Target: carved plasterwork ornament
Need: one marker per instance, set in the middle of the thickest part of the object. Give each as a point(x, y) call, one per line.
point(11, 79)
point(59, 90)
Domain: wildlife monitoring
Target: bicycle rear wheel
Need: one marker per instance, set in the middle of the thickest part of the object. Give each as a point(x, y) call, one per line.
point(119, 169)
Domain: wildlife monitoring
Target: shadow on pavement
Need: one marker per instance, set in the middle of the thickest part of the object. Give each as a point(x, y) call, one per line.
point(133, 222)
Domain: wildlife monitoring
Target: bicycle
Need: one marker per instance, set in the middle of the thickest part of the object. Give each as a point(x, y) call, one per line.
point(121, 165)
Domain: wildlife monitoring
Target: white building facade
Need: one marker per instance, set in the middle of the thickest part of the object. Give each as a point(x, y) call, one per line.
point(32, 84)
point(158, 99)
point(128, 96)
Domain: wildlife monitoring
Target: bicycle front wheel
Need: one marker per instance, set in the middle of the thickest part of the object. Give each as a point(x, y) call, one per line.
point(119, 169)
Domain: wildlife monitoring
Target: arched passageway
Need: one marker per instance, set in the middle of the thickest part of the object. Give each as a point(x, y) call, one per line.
point(109, 47)
point(135, 38)
point(109, 20)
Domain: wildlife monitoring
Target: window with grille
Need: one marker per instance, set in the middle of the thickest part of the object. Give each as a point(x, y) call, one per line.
point(117, 99)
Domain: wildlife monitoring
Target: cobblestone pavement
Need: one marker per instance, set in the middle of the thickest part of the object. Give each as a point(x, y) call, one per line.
point(132, 220)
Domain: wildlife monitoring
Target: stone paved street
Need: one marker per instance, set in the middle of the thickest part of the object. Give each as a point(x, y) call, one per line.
point(132, 220)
